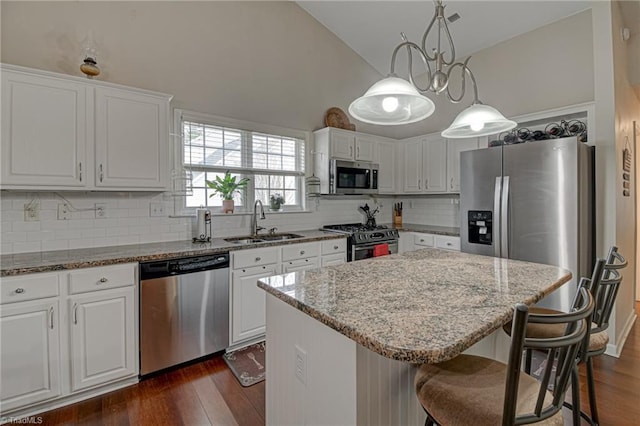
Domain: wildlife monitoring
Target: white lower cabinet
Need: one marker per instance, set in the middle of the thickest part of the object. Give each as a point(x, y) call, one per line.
point(247, 316)
point(247, 299)
point(410, 241)
point(102, 337)
point(66, 335)
point(30, 367)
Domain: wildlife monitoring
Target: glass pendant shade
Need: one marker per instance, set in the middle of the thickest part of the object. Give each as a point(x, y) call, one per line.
point(478, 120)
point(391, 101)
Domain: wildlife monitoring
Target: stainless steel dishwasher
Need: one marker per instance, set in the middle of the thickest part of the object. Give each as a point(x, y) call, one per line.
point(184, 310)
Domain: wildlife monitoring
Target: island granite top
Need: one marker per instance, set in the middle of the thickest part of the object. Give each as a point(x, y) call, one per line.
point(425, 306)
point(48, 261)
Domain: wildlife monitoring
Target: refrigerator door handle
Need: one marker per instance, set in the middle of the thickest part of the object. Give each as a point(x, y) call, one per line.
point(504, 218)
point(496, 216)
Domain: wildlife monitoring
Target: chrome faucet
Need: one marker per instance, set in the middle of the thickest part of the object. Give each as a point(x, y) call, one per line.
point(254, 219)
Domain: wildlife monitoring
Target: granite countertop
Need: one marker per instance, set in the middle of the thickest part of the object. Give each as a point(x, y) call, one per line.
point(47, 261)
point(429, 229)
point(425, 306)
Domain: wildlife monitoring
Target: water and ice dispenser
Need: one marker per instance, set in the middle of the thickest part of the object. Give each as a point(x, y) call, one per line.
point(480, 226)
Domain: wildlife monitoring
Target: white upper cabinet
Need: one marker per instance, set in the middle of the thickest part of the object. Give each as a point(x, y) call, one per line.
point(131, 139)
point(65, 132)
point(342, 144)
point(387, 167)
point(425, 165)
point(365, 147)
point(44, 131)
point(454, 148)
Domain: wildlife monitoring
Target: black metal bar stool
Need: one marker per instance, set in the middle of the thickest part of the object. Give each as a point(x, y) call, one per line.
point(472, 390)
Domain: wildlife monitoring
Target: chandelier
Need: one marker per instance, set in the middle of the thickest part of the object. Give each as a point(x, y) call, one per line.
point(394, 100)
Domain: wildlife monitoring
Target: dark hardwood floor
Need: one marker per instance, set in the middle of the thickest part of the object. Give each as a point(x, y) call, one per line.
point(207, 393)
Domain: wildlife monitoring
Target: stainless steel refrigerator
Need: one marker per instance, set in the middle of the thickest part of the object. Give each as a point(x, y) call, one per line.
point(531, 201)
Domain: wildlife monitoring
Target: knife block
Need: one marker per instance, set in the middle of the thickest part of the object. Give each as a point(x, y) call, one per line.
point(397, 219)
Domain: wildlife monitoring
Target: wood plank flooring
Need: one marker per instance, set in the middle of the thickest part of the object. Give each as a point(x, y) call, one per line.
point(207, 393)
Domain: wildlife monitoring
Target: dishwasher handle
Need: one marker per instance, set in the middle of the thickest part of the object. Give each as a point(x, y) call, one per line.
point(187, 265)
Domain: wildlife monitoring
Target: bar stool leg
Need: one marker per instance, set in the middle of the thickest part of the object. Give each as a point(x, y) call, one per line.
point(527, 361)
point(575, 396)
point(592, 393)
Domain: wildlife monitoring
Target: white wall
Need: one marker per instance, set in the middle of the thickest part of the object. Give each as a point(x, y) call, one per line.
point(546, 68)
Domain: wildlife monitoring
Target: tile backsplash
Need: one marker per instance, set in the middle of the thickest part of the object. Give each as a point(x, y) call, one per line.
point(128, 221)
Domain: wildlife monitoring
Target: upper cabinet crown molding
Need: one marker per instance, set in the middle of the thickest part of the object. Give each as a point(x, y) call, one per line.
point(71, 133)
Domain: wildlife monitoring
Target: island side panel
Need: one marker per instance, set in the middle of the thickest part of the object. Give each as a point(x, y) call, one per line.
point(328, 394)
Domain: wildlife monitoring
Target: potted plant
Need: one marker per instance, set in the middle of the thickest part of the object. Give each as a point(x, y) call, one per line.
point(226, 187)
point(276, 201)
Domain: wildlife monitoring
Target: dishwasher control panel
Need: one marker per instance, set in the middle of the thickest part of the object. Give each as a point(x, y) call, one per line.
point(163, 268)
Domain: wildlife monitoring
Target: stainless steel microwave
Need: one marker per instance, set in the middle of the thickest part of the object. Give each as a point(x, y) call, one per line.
point(350, 177)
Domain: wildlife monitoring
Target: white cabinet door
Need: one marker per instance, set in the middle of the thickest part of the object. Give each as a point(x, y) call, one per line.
point(365, 147)
point(434, 165)
point(405, 242)
point(413, 166)
point(44, 135)
point(248, 302)
point(30, 367)
point(454, 148)
point(102, 337)
point(387, 168)
point(131, 139)
point(333, 259)
point(342, 144)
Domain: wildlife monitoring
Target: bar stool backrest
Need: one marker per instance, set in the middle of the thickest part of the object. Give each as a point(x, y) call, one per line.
point(605, 290)
point(564, 350)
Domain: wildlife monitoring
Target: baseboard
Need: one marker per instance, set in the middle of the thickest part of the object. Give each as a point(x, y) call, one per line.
point(42, 407)
point(616, 350)
point(246, 343)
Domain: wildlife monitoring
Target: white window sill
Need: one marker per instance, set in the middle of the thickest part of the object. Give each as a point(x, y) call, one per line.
point(244, 213)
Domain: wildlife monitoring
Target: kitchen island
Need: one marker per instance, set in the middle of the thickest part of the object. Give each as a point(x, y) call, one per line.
point(343, 342)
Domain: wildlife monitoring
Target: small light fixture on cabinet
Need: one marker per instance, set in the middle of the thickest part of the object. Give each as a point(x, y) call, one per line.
point(394, 100)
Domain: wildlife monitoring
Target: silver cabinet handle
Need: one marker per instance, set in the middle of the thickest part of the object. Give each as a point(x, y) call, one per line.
point(426, 184)
point(306, 260)
point(351, 151)
point(421, 240)
point(19, 290)
point(101, 174)
point(418, 183)
point(51, 317)
point(80, 170)
point(302, 252)
point(336, 247)
point(258, 259)
point(358, 151)
point(102, 280)
point(75, 313)
point(448, 244)
point(451, 183)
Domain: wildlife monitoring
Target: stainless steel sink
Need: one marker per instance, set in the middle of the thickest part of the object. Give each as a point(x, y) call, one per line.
point(280, 237)
point(243, 240)
point(262, 238)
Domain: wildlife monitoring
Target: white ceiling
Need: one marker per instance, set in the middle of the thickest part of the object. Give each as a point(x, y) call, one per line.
point(372, 28)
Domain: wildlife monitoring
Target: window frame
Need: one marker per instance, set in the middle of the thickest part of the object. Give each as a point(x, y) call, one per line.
point(181, 115)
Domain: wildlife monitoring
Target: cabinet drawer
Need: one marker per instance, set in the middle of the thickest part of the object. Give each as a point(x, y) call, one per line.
point(424, 240)
point(104, 277)
point(300, 251)
point(447, 243)
point(29, 287)
point(334, 246)
point(254, 257)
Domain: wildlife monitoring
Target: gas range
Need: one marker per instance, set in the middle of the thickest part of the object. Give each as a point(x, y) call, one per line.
point(362, 239)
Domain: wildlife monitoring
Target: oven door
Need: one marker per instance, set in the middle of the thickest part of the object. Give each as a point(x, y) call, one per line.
point(365, 251)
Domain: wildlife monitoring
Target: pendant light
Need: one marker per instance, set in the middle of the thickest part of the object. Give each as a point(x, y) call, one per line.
point(394, 101)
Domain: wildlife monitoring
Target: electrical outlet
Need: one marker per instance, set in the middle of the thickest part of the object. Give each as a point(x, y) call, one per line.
point(156, 209)
point(101, 210)
point(32, 212)
point(63, 212)
point(301, 364)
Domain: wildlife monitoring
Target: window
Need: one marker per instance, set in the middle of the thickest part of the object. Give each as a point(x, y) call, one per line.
point(273, 159)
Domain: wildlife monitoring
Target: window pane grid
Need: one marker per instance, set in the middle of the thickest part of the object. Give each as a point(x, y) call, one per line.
point(274, 164)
